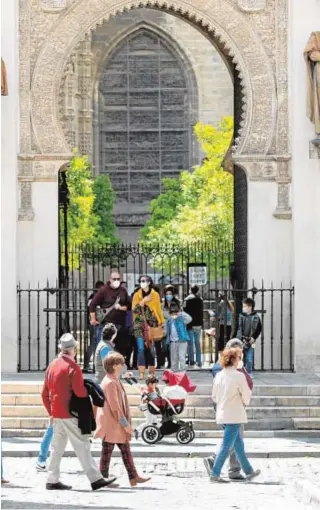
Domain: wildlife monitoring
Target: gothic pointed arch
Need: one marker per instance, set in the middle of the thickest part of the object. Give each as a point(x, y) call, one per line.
point(145, 106)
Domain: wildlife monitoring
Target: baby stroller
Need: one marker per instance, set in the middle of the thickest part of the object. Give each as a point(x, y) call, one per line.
point(162, 410)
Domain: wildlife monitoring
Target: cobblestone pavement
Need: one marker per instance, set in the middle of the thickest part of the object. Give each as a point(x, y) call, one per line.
point(176, 483)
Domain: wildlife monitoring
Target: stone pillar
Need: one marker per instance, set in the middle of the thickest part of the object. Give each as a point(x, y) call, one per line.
point(38, 218)
point(9, 150)
point(306, 197)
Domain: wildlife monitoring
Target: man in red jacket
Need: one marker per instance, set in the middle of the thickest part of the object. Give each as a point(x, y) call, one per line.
point(64, 376)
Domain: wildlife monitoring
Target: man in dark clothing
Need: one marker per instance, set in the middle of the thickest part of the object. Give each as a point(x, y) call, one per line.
point(95, 331)
point(249, 329)
point(113, 301)
point(193, 306)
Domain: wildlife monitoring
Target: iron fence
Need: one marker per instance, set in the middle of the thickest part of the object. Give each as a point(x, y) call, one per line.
point(45, 312)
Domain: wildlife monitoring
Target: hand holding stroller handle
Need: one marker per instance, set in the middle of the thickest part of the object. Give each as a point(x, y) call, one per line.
point(131, 380)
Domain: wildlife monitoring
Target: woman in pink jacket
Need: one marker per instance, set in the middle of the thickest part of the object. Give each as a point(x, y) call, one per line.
point(114, 420)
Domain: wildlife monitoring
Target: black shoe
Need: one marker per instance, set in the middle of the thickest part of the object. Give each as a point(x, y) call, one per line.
point(58, 487)
point(237, 478)
point(86, 370)
point(103, 482)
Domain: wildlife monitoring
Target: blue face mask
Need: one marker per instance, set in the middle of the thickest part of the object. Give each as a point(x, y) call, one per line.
point(169, 297)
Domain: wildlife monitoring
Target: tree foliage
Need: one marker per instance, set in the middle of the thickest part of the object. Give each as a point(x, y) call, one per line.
point(197, 206)
point(104, 198)
point(91, 201)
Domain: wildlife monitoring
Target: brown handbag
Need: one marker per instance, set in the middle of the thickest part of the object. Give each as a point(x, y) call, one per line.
point(152, 334)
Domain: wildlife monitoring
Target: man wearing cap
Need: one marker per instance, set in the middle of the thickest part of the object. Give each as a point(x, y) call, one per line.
point(64, 376)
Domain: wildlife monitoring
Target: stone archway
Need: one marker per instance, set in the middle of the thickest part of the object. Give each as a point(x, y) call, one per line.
point(224, 20)
point(253, 35)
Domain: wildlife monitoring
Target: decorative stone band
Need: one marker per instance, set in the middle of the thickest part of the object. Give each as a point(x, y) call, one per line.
point(36, 168)
point(270, 168)
point(252, 5)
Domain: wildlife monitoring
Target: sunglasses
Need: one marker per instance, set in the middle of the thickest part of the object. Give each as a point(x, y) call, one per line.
point(144, 281)
point(116, 279)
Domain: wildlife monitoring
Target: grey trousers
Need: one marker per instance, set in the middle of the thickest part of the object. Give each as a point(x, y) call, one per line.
point(178, 352)
point(64, 429)
point(234, 464)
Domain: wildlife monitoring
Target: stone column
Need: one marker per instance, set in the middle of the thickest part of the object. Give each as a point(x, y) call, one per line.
point(9, 149)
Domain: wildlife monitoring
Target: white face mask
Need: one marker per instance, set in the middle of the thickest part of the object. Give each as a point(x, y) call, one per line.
point(144, 285)
point(240, 365)
point(245, 310)
point(115, 284)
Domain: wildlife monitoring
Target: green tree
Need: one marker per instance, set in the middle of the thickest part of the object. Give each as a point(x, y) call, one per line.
point(197, 206)
point(89, 218)
point(104, 198)
point(81, 222)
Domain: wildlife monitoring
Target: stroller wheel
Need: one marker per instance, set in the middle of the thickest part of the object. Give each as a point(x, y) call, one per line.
point(185, 435)
point(150, 434)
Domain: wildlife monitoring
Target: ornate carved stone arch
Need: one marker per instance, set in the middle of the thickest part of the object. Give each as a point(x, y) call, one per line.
point(221, 19)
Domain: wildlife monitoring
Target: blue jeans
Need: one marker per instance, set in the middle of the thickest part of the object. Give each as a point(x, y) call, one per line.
point(145, 356)
point(232, 439)
point(248, 357)
point(45, 445)
point(93, 345)
point(194, 336)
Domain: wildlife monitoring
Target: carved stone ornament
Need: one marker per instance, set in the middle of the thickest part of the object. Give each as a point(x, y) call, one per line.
point(53, 5)
point(132, 220)
point(252, 5)
point(314, 148)
point(221, 19)
point(26, 212)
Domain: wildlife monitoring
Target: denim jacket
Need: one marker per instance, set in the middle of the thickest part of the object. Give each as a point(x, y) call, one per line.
point(180, 324)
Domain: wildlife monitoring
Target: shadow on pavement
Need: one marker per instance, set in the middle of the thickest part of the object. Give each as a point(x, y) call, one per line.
point(33, 505)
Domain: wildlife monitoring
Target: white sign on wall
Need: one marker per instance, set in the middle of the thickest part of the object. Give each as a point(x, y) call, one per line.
point(197, 274)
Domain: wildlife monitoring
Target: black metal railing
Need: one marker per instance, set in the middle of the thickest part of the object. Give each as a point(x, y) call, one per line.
point(45, 312)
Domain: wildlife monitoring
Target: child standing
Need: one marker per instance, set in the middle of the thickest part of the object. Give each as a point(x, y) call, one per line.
point(249, 330)
point(177, 337)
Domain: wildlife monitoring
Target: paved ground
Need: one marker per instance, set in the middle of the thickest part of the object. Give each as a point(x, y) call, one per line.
point(256, 447)
point(176, 483)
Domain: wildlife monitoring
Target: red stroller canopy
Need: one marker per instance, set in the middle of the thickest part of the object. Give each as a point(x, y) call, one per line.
point(180, 379)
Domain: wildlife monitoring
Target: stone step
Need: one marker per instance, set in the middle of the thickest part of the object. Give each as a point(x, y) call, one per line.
point(264, 413)
point(285, 390)
point(204, 434)
point(196, 401)
point(34, 399)
point(20, 422)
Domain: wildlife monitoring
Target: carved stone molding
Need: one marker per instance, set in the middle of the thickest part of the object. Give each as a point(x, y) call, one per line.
point(131, 220)
point(36, 168)
point(271, 169)
point(223, 20)
point(252, 5)
point(25, 209)
point(314, 148)
point(53, 5)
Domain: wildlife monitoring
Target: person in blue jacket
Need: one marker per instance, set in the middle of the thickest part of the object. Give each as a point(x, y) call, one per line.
point(177, 337)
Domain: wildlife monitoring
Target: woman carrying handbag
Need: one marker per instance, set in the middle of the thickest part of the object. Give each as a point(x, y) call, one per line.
point(148, 322)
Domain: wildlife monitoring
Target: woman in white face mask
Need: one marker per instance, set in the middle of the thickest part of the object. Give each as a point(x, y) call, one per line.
point(147, 312)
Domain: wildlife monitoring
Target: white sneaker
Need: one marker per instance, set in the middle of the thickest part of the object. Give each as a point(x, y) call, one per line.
point(41, 467)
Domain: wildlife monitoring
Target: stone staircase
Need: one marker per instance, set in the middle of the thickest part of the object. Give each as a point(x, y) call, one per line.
point(274, 410)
